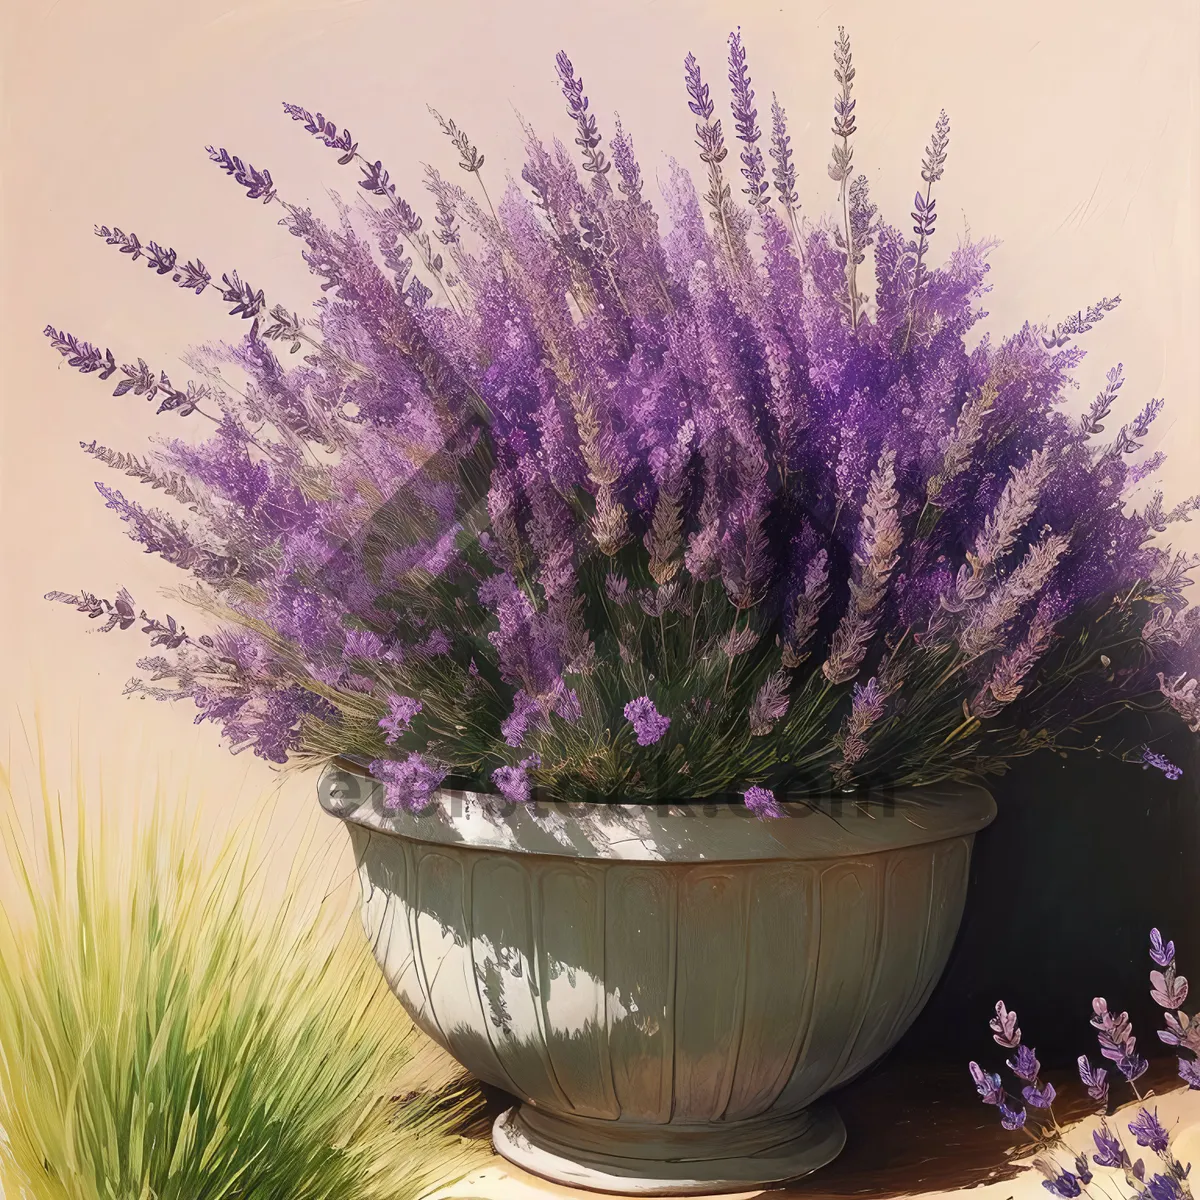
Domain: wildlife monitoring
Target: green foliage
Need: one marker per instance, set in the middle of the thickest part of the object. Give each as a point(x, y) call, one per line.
point(163, 1034)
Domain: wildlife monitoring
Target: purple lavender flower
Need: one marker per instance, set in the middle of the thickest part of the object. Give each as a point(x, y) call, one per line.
point(648, 723)
point(1164, 1187)
point(363, 643)
point(563, 449)
point(1024, 1065)
point(1004, 1027)
point(325, 130)
point(1117, 1043)
point(1095, 1079)
point(1168, 990)
point(784, 173)
point(1039, 1096)
point(81, 355)
point(925, 206)
point(987, 1084)
point(867, 705)
point(1181, 1030)
point(513, 782)
point(1083, 1169)
point(1189, 1072)
point(1152, 759)
point(1163, 953)
point(1149, 1131)
point(762, 803)
point(1081, 322)
point(770, 705)
point(399, 718)
point(745, 118)
point(258, 184)
point(1133, 1067)
point(525, 710)
point(1109, 1151)
point(1011, 1119)
point(1061, 1183)
point(410, 783)
point(711, 141)
point(880, 537)
point(587, 137)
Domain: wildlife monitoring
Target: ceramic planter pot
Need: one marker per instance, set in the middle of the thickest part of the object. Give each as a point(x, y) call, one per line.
point(668, 990)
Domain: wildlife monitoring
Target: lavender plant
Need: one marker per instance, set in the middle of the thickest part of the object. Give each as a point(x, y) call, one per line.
point(564, 498)
point(1035, 1119)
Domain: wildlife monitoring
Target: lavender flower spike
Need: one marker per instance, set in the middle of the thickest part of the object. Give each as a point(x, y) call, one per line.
point(745, 120)
point(1006, 681)
point(514, 783)
point(1117, 1043)
point(587, 136)
point(711, 141)
point(1149, 1131)
point(398, 720)
point(1011, 1119)
point(648, 723)
point(1165, 1187)
point(1163, 953)
point(1012, 512)
point(880, 537)
point(409, 784)
point(1161, 762)
point(325, 131)
point(1168, 990)
point(986, 621)
point(1082, 1169)
point(1004, 1027)
point(784, 172)
point(258, 184)
point(1024, 1065)
point(988, 1085)
point(1095, 1079)
point(762, 803)
point(866, 708)
point(1039, 1095)
point(1110, 1152)
point(1061, 1183)
point(925, 206)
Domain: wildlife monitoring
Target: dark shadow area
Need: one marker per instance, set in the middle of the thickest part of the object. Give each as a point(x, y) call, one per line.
point(1085, 856)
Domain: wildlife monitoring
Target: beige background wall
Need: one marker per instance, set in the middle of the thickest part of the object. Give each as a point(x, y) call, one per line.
point(1075, 130)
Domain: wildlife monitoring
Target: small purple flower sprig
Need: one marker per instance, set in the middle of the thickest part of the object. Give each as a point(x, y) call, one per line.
point(1024, 1064)
point(1169, 990)
point(274, 322)
point(1119, 1047)
point(140, 379)
point(1160, 762)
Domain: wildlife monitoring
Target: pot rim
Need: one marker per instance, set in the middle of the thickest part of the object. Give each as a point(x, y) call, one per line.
point(824, 828)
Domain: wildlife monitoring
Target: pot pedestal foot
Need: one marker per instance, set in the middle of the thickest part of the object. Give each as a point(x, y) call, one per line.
point(669, 1160)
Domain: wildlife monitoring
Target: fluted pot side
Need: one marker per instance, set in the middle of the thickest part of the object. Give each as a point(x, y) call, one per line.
point(656, 992)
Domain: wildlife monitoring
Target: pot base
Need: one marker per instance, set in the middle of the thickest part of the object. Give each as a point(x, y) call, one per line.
point(669, 1160)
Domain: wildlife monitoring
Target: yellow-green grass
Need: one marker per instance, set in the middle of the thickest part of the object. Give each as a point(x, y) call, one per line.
point(166, 1033)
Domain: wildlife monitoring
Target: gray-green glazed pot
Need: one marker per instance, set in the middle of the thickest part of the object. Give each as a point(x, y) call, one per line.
point(668, 990)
